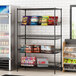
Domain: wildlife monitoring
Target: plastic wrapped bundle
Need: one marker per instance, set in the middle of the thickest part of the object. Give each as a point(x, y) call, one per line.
point(28, 61)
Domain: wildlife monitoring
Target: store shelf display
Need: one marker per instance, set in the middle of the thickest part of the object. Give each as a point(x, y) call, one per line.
point(69, 56)
point(40, 20)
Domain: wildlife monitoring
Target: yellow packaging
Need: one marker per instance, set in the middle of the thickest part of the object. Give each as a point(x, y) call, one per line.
point(45, 20)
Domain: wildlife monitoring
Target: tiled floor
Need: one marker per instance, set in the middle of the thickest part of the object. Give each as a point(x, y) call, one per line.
point(37, 72)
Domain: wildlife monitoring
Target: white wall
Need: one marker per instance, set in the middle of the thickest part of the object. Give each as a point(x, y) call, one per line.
point(64, 4)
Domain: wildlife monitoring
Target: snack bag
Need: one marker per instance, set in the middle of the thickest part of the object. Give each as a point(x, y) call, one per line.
point(74, 61)
point(26, 20)
point(39, 20)
point(69, 61)
point(34, 20)
point(65, 60)
point(51, 20)
point(45, 20)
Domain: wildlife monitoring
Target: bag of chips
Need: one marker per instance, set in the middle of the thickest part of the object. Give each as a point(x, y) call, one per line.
point(34, 20)
point(40, 20)
point(45, 20)
point(26, 20)
point(52, 19)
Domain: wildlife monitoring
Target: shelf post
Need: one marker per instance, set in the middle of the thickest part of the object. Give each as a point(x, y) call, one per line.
point(54, 43)
point(17, 39)
point(61, 39)
point(25, 34)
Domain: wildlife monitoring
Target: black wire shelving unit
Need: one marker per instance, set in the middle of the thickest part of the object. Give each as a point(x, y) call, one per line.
point(42, 37)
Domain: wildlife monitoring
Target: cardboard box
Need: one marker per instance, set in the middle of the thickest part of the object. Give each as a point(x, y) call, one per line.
point(28, 61)
point(47, 48)
point(42, 62)
point(29, 48)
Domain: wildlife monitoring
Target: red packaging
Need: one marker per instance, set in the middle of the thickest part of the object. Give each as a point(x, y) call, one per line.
point(37, 48)
point(51, 20)
point(29, 48)
point(42, 61)
point(22, 60)
point(28, 61)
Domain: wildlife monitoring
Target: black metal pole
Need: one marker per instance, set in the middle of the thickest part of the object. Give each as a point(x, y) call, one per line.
point(39, 8)
point(61, 39)
point(17, 39)
point(70, 21)
point(54, 42)
point(25, 35)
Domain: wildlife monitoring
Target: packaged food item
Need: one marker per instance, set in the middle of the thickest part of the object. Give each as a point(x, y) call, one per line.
point(29, 48)
point(34, 20)
point(22, 49)
point(37, 48)
point(26, 20)
point(47, 48)
point(65, 60)
point(69, 49)
point(74, 61)
point(69, 61)
point(45, 20)
point(69, 55)
point(22, 60)
point(66, 49)
point(39, 20)
point(42, 62)
point(28, 61)
point(51, 20)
